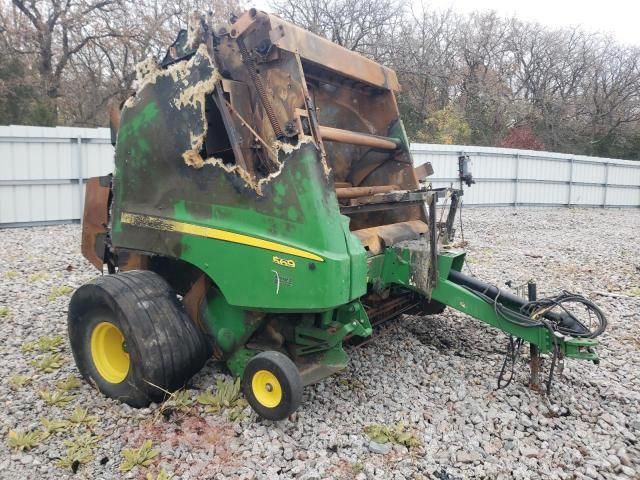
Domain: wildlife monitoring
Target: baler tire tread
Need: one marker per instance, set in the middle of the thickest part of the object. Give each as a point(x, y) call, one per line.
point(165, 347)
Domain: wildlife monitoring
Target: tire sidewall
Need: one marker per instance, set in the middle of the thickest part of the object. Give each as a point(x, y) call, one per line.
point(290, 398)
point(86, 311)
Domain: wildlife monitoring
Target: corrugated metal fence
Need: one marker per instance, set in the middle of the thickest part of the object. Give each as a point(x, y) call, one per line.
point(507, 176)
point(42, 171)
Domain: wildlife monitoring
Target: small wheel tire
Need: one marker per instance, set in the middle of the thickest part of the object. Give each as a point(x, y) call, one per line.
point(132, 339)
point(272, 385)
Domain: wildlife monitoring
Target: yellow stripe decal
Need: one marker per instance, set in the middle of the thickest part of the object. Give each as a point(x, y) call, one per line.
point(165, 224)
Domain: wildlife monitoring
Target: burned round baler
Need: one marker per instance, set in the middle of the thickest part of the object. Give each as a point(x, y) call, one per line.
point(265, 208)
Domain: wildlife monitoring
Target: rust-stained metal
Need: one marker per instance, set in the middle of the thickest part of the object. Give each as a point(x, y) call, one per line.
point(194, 299)
point(376, 239)
point(391, 201)
point(389, 308)
point(262, 93)
point(242, 23)
point(323, 52)
point(356, 138)
point(114, 122)
point(355, 192)
point(130, 260)
point(235, 106)
point(423, 171)
point(95, 220)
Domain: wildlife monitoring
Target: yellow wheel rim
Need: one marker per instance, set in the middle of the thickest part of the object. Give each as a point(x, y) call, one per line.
point(108, 352)
point(266, 388)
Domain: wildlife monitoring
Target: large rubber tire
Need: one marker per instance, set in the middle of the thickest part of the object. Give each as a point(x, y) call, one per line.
point(141, 313)
point(272, 385)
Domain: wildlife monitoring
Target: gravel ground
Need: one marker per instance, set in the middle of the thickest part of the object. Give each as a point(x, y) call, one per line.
point(435, 375)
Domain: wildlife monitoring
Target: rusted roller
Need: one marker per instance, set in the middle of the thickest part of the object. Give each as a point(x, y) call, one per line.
point(355, 192)
point(356, 138)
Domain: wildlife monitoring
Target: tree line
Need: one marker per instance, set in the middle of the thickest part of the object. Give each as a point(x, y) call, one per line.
point(476, 79)
point(65, 61)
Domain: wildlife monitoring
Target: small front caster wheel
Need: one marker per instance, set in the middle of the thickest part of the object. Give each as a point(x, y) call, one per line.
point(272, 385)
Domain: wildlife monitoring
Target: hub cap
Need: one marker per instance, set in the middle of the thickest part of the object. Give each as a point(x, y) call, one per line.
point(108, 352)
point(266, 388)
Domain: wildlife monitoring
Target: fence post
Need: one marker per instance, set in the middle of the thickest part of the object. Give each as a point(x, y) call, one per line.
point(606, 183)
point(517, 180)
point(80, 176)
point(570, 182)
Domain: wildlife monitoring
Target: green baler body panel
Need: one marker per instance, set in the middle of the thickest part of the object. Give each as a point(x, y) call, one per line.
point(297, 208)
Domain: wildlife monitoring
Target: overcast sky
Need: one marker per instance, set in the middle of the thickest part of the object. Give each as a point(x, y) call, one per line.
point(618, 17)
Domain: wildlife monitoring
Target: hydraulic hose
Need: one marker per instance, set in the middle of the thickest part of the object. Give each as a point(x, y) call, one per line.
point(524, 312)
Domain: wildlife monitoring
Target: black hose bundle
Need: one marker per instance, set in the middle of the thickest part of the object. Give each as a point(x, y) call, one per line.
point(539, 313)
point(569, 322)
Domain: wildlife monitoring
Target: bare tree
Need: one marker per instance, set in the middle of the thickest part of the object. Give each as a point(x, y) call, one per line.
point(475, 78)
point(53, 32)
point(358, 25)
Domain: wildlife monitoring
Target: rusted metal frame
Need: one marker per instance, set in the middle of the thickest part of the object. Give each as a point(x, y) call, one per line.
point(193, 300)
point(132, 260)
point(357, 138)
point(95, 219)
point(423, 171)
point(250, 64)
point(376, 239)
point(331, 56)
point(433, 241)
point(377, 207)
point(235, 142)
point(332, 78)
point(451, 215)
point(394, 197)
point(310, 108)
point(356, 192)
point(114, 122)
point(255, 134)
point(246, 20)
point(299, 114)
point(391, 309)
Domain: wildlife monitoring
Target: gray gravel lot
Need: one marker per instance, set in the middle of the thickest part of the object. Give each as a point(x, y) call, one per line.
point(436, 375)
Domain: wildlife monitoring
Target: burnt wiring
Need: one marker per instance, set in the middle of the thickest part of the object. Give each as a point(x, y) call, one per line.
point(462, 237)
point(442, 210)
point(513, 352)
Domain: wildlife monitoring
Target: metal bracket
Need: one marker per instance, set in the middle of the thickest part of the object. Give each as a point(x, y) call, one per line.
point(349, 319)
point(581, 348)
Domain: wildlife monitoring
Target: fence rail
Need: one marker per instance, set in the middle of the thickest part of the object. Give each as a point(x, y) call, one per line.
point(43, 172)
point(529, 178)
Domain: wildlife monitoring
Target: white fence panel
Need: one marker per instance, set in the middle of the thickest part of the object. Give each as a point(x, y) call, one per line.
point(523, 177)
point(43, 172)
